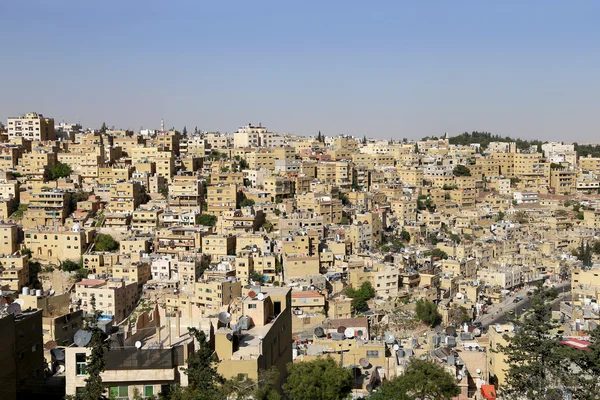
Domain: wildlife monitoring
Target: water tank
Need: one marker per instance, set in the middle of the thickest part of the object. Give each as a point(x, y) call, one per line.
point(38, 293)
point(25, 291)
point(436, 340)
point(400, 353)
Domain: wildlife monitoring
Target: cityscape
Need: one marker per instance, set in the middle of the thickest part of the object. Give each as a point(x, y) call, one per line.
point(299, 201)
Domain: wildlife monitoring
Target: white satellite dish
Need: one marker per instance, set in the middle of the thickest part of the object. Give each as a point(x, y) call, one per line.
point(389, 338)
point(478, 371)
point(396, 347)
point(60, 369)
point(349, 333)
point(138, 344)
point(260, 296)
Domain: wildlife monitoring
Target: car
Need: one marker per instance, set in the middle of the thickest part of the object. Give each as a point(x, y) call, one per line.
point(477, 324)
point(511, 312)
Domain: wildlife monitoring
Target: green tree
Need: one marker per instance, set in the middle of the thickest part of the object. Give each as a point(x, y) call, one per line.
point(539, 366)
point(500, 216)
point(69, 266)
point(364, 141)
point(455, 238)
point(243, 388)
point(405, 235)
point(256, 276)
point(427, 312)
point(184, 132)
point(320, 379)
point(60, 170)
point(461, 170)
point(204, 380)
point(164, 190)
point(246, 203)
point(268, 226)
point(206, 219)
point(361, 296)
point(344, 198)
point(432, 238)
point(96, 361)
point(105, 242)
point(103, 128)
point(421, 380)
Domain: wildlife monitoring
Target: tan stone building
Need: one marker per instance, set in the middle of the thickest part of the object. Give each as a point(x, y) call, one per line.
point(31, 126)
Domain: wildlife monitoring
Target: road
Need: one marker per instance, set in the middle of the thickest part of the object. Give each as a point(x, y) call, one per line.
point(497, 313)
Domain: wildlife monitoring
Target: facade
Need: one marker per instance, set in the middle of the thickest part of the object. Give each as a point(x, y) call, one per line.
point(31, 126)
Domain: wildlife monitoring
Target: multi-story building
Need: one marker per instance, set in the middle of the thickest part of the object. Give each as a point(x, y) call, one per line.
point(221, 198)
point(31, 126)
point(22, 354)
point(47, 208)
point(14, 272)
point(114, 298)
point(9, 238)
point(57, 246)
point(216, 293)
point(125, 196)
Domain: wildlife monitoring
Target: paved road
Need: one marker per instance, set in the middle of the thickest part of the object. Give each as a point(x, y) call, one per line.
point(498, 313)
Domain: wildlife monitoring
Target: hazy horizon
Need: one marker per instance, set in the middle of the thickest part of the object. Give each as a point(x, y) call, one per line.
point(384, 70)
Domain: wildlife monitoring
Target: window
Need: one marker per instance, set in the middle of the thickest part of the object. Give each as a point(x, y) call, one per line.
point(372, 353)
point(148, 391)
point(251, 306)
point(80, 364)
point(118, 392)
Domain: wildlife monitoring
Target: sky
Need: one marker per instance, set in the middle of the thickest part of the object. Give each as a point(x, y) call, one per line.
point(385, 69)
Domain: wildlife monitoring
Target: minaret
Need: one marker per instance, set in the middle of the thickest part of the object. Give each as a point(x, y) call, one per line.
point(162, 126)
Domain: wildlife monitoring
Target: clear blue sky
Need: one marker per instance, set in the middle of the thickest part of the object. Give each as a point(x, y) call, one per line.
point(384, 69)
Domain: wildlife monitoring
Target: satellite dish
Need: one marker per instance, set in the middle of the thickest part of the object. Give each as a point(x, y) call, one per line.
point(82, 338)
point(138, 344)
point(450, 331)
point(360, 333)
point(319, 332)
point(369, 388)
point(14, 308)
point(389, 338)
point(49, 345)
point(341, 329)
point(52, 292)
point(229, 337)
point(252, 294)
point(260, 296)
point(60, 369)
point(364, 362)
point(349, 333)
point(224, 317)
point(396, 347)
point(237, 328)
point(478, 371)
point(20, 302)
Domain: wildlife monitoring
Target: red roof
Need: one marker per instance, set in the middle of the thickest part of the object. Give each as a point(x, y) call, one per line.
point(488, 392)
point(576, 343)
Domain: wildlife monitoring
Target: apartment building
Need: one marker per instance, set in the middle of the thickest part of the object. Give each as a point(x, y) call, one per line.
point(125, 196)
point(22, 354)
point(264, 340)
point(218, 246)
point(56, 246)
point(47, 208)
point(14, 272)
point(329, 208)
point(216, 293)
point(221, 198)
point(9, 238)
point(114, 298)
point(145, 221)
point(31, 126)
point(185, 192)
point(383, 277)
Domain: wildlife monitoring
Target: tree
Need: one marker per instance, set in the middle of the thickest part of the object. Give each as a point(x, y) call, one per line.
point(361, 296)
point(268, 226)
point(256, 276)
point(105, 242)
point(184, 132)
point(164, 190)
point(432, 238)
point(455, 238)
point(405, 235)
point(60, 170)
point(458, 315)
point(195, 130)
point(96, 361)
point(521, 217)
point(69, 266)
point(421, 380)
point(500, 216)
point(364, 141)
point(103, 128)
point(427, 312)
point(204, 380)
point(538, 361)
point(248, 389)
point(206, 219)
point(320, 379)
point(461, 170)
point(246, 203)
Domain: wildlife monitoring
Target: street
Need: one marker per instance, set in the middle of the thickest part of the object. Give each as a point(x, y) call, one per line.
point(497, 313)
